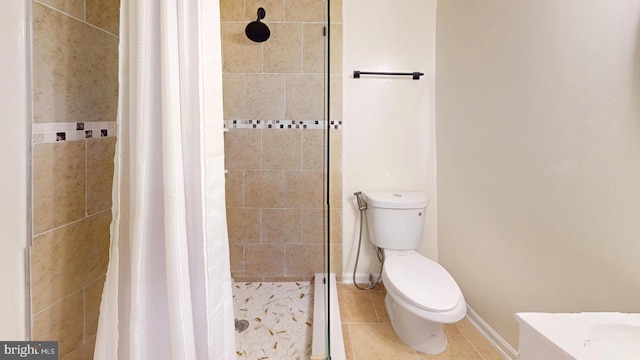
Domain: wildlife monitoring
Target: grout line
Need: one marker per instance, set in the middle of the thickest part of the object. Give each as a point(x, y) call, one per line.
point(244, 249)
point(244, 96)
point(244, 191)
point(284, 189)
point(260, 218)
point(261, 150)
point(470, 342)
point(84, 315)
point(375, 311)
point(284, 96)
point(76, 18)
point(57, 302)
point(301, 151)
point(353, 351)
point(86, 178)
point(301, 240)
point(302, 47)
point(467, 340)
point(262, 58)
point(72, 222)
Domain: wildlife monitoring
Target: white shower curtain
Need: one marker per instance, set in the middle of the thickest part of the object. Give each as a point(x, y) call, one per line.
point(167, 293)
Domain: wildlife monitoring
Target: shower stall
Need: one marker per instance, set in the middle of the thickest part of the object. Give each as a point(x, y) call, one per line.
point(280, 177)
point(282, 116)
point(282, 119)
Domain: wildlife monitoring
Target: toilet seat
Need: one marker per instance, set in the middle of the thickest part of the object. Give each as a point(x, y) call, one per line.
point(421, 282)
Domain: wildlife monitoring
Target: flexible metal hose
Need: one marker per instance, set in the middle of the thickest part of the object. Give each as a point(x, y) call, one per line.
point(362, 206)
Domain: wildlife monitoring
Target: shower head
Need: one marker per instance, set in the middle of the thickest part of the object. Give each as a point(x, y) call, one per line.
point(257, 31)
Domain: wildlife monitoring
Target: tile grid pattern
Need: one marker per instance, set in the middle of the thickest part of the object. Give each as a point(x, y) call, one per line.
point(282, 78)
point(280, 319)
point(75, 52)
point(275, 182)
point(275, 197)
point(368, 333)
point(75, 67)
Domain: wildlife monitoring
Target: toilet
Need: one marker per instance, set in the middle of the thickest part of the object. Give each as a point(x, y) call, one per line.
point(421, 294)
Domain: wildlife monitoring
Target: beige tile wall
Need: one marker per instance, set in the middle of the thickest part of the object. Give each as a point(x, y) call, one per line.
point(75, 69)
point(75, 51)
point(275, 203)
point(276, 180)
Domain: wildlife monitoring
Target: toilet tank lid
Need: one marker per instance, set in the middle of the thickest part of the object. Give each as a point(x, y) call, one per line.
point(396, 199)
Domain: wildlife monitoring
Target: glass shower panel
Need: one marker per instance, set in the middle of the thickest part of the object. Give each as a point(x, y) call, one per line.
point(280, 179)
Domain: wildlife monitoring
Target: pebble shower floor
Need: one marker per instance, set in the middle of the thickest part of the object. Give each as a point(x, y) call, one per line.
point(279, 316)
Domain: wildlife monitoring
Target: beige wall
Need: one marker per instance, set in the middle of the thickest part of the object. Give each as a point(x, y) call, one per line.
point(538, 132)
point(75, 51)
point(389, 133)
point(276, 176)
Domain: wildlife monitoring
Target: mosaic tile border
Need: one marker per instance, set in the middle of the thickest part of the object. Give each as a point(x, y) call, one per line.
point(282, 124)
point(71, 131)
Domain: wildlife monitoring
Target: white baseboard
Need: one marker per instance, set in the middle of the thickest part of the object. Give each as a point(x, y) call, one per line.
point(361, 278)
point(491, 335)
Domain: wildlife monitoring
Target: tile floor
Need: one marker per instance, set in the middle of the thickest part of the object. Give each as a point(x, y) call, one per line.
point(368, 333)
point(279, 315)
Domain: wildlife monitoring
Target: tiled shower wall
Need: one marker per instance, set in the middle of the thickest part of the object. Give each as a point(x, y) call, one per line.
point(275, 147)
point(75, 75)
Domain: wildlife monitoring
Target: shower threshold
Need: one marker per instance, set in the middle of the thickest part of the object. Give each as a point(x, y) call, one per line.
point(322, 322)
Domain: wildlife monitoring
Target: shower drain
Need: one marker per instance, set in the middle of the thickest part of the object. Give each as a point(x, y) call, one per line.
point(241, 325)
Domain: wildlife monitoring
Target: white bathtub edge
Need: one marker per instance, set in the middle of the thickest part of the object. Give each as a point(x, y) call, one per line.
point(500, 344)
point(318, 340)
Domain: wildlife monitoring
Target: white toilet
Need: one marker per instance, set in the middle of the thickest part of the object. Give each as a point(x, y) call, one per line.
point(421, 294)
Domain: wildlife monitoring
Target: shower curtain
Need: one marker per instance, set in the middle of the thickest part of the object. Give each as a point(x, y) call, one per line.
point(167, 293)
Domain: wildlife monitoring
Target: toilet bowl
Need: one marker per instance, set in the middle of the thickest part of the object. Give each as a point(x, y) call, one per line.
point(421, 294)
point(421, 297)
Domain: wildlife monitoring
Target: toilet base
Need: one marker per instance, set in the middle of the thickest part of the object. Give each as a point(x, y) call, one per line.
point(420, 334)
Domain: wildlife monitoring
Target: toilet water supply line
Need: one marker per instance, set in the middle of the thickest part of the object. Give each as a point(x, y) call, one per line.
point(362, 206)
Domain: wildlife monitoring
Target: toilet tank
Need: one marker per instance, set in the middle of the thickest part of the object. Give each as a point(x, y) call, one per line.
point(396, 219)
